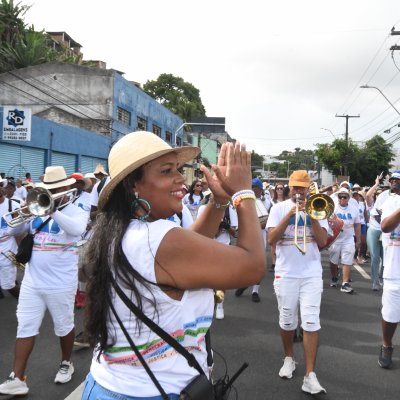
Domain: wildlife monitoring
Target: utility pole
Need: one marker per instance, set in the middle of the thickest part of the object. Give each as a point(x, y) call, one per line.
point(395, 33)
point(346, 135)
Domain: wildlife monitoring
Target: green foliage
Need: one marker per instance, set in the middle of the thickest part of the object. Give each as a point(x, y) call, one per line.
point(256, 160)
point(181, 97)
point(12, 25)
point(363, 163)
point(31, 49)
point(22, 46)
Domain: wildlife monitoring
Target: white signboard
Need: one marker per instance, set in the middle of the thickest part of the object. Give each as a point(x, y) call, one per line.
point(17, 123)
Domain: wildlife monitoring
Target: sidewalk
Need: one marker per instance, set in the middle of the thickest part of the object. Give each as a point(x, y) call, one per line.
point(77, 393)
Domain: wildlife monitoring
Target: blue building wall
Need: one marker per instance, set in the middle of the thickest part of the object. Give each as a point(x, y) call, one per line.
point(139, 104)
point(73, 147)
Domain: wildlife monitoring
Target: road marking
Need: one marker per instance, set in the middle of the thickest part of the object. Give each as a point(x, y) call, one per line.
point(361, 271)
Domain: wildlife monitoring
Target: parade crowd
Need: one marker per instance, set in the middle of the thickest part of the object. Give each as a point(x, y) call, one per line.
point(121, 243)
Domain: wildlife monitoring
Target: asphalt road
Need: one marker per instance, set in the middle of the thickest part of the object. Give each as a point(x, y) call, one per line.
point(347, 358)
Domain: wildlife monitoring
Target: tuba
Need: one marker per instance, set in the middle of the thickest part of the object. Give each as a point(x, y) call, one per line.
point(318, 206)
point(39, 203)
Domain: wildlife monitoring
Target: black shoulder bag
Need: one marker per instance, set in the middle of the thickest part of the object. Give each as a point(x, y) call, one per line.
point(201, 388)
point(24, 252)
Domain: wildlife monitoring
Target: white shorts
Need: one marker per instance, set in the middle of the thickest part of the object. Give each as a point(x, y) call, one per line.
point(292, 292)
point(343, 252)
point(8, 275)
point(32, 305)
point(391, 301)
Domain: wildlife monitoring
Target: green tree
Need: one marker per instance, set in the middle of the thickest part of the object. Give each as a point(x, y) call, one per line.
point(22, 46)
point(181, 97)
point(12, 25)
point(31, 49)
point(363, 163)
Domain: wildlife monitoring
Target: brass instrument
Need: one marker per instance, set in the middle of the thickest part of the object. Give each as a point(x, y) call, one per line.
point(39, 203)
point(11, 257)
point(219, 296)
point(318, 206)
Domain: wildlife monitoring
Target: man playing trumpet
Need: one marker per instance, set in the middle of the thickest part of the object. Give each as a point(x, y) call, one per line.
point(298, 276)
point(50, 280)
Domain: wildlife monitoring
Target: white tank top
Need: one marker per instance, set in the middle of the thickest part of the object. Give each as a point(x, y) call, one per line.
point(186, 320)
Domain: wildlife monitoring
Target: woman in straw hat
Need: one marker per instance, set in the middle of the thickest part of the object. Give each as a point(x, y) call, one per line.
point(136, 248)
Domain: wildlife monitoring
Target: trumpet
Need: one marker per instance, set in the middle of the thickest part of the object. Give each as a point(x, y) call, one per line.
point(11, 257)
point(318, 206)
point(39, 203)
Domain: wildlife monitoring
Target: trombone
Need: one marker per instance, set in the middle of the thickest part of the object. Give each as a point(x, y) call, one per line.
point(39, 203)
point(11, 257)
point(318, 206)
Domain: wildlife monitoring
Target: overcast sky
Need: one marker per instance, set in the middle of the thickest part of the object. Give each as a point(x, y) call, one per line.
point(278, 71)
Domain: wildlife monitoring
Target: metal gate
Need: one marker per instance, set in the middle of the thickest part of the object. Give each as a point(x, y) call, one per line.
point(68, 161)
point(88, 164)
point(16, 161)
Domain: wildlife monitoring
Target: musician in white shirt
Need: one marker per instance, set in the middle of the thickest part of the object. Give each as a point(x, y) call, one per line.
point(263, 204)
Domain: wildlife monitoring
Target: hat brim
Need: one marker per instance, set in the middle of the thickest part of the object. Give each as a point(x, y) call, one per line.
point(300, 184)
point(48, 186)
point(184, 155)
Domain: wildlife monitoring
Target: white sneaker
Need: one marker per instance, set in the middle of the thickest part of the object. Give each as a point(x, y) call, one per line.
point(219, 312)
point(311, 384)
point(14, 386)
point(65, 372)
point(288, 368)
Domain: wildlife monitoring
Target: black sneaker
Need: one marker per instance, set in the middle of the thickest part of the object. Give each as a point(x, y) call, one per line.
point(346, 288)
point(255, 297)
point(385, 357)
point(334, 282)
point(239, 292)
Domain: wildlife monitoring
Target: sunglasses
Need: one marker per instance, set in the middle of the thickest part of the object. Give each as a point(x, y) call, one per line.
point(197, 185)
point(343, 197)
point(279, 188)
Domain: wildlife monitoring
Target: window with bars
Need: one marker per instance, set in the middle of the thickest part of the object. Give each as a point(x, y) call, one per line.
point(157, 130)
point(123, 116)
point(168, 137)
point(178, 141)
point(141, 124)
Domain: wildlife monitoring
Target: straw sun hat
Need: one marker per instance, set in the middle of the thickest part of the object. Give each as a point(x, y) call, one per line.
point(55, 177)
point(134, 150)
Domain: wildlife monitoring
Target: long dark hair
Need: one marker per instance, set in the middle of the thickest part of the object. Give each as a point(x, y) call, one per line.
point(105, 257)
point(275, 198)
point(191, 191)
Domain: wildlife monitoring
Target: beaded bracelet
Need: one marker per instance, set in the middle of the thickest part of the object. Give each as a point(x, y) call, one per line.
point(242, 195)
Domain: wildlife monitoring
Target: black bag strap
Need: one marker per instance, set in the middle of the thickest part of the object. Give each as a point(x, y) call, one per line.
point(190, 358)
point(138, 354)
point(42, 225)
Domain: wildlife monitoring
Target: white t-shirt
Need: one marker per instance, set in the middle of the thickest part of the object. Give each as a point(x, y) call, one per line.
point(186, 220)
point(223, 235)
point(84, 201)
point(391, 244)
point(7, 241)
point(20, 193)
point(373, 223)
point(193, 207)
point(94, 196)
point(361, 209)
point(187, 320)
point(350, 215)
point(54, 262)
point(290, 263)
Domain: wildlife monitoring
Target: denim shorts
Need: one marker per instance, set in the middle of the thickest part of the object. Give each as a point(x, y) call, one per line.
point(94, 391)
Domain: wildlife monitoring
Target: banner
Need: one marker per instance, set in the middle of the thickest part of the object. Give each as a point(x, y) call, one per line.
point(16, 123)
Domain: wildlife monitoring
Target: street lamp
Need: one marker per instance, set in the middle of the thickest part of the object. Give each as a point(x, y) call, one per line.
point(380, 91)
